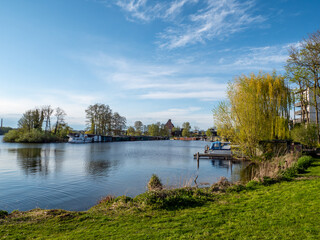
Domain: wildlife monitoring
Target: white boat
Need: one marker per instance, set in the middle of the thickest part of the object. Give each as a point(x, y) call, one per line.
point(80, 138)
point(219, 148)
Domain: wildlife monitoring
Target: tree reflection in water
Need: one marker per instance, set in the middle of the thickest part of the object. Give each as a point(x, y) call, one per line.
point(98, 160)
point(240, 171)
point(33, 160)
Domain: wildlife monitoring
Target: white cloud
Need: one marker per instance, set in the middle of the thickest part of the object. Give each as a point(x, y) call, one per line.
point(145, 11)
point(203, 95)
point(157, 81)
point(209, 20)
point(265, 58)
point(218, 20)
point(74, 104)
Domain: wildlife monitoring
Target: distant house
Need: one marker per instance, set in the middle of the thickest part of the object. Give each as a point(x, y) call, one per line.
point(306, 111)
point(214, 132)
point(169, 125)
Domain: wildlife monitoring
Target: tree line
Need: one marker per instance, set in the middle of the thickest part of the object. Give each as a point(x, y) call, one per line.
point(37, 125)
point(46, 124)
point(102, 121)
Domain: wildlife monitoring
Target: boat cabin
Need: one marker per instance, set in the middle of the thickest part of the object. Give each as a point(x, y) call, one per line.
point(217, 145)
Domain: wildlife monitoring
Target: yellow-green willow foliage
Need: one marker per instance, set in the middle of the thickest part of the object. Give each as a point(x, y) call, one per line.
point(257, 109)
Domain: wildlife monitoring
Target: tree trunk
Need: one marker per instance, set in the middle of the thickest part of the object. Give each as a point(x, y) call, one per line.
point(316, 107)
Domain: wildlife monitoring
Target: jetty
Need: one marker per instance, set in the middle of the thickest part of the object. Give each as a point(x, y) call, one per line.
point(227, 156)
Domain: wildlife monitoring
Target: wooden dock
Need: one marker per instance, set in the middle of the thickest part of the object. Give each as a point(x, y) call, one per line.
point(212, 156)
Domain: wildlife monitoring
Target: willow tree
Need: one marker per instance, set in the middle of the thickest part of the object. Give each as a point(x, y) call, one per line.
point(257, 109)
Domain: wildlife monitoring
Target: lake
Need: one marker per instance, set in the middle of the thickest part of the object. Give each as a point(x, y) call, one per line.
point(77, 176)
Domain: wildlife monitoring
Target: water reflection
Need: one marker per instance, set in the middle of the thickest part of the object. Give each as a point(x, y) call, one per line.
point(64, 173)
point(247, 173)
point(98, 161)
point(36, 160)
point(222, 163)
point(239, 171)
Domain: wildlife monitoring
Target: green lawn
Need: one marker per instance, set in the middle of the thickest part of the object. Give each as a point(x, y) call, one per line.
point(286, 210)
point(314, 170)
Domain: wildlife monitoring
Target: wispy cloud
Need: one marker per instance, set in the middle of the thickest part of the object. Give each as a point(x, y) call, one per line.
point(218, 20)
point(73, 102)
point(203, 95)
point(263, 58)
point(146, 11)
point(157, 81)
point(209, 20)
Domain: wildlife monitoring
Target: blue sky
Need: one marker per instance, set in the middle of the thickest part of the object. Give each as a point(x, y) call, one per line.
point(148, 60)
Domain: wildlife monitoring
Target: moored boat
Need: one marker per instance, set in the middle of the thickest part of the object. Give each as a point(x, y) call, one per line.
point(80, 138)
point(219, 148)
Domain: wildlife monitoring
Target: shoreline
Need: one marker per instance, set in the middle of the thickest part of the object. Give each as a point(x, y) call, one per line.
point(263, 211)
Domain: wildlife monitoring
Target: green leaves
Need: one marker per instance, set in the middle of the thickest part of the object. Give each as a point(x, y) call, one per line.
point(257, 109)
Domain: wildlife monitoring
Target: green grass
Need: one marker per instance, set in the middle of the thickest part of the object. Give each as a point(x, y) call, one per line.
point(285, 210)
point(314, 170)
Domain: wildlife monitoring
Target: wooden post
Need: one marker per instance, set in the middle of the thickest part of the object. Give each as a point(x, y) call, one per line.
point(198, 160)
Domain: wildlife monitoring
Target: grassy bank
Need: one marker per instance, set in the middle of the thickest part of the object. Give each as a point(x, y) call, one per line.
point(284, 210)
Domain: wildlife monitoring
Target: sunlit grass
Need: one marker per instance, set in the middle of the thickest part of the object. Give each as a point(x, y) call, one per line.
point(284, 210)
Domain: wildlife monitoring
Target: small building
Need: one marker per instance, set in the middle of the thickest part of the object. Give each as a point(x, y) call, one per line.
point(169, 125)
point(304, 109)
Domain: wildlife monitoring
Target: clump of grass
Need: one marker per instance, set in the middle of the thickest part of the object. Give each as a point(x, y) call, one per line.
point(273, 168)
point(251, 185)
point(172, 199)
point(3, 214)
point(154, 183)
point(107, 199)
point(221, 186)
point(236, 188)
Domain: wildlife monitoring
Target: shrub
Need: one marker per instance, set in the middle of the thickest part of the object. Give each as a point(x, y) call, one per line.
point(289, 173)
point(107, 199)
point(222, 185)
point(173, 199)
point(154, 183)
point(305, 134)
point(32, 136)
point(11, 136)
point(303, 163)
point(3, 214)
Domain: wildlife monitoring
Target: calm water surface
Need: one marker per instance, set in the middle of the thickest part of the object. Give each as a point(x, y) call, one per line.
point(76, 176)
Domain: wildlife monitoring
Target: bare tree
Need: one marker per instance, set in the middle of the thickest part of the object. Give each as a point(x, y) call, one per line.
point(99, 119)
point(118, 123)
point(47, 113)
point(60, 115)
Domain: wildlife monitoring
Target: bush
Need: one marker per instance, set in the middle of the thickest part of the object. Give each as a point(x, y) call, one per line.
point(289, 173)
point(3, 214)
point(32, 136)
point(221, 186)
point(305, 134)
point(303, 163)
point(12, 135)
point(154, 183)
point(173, 199)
